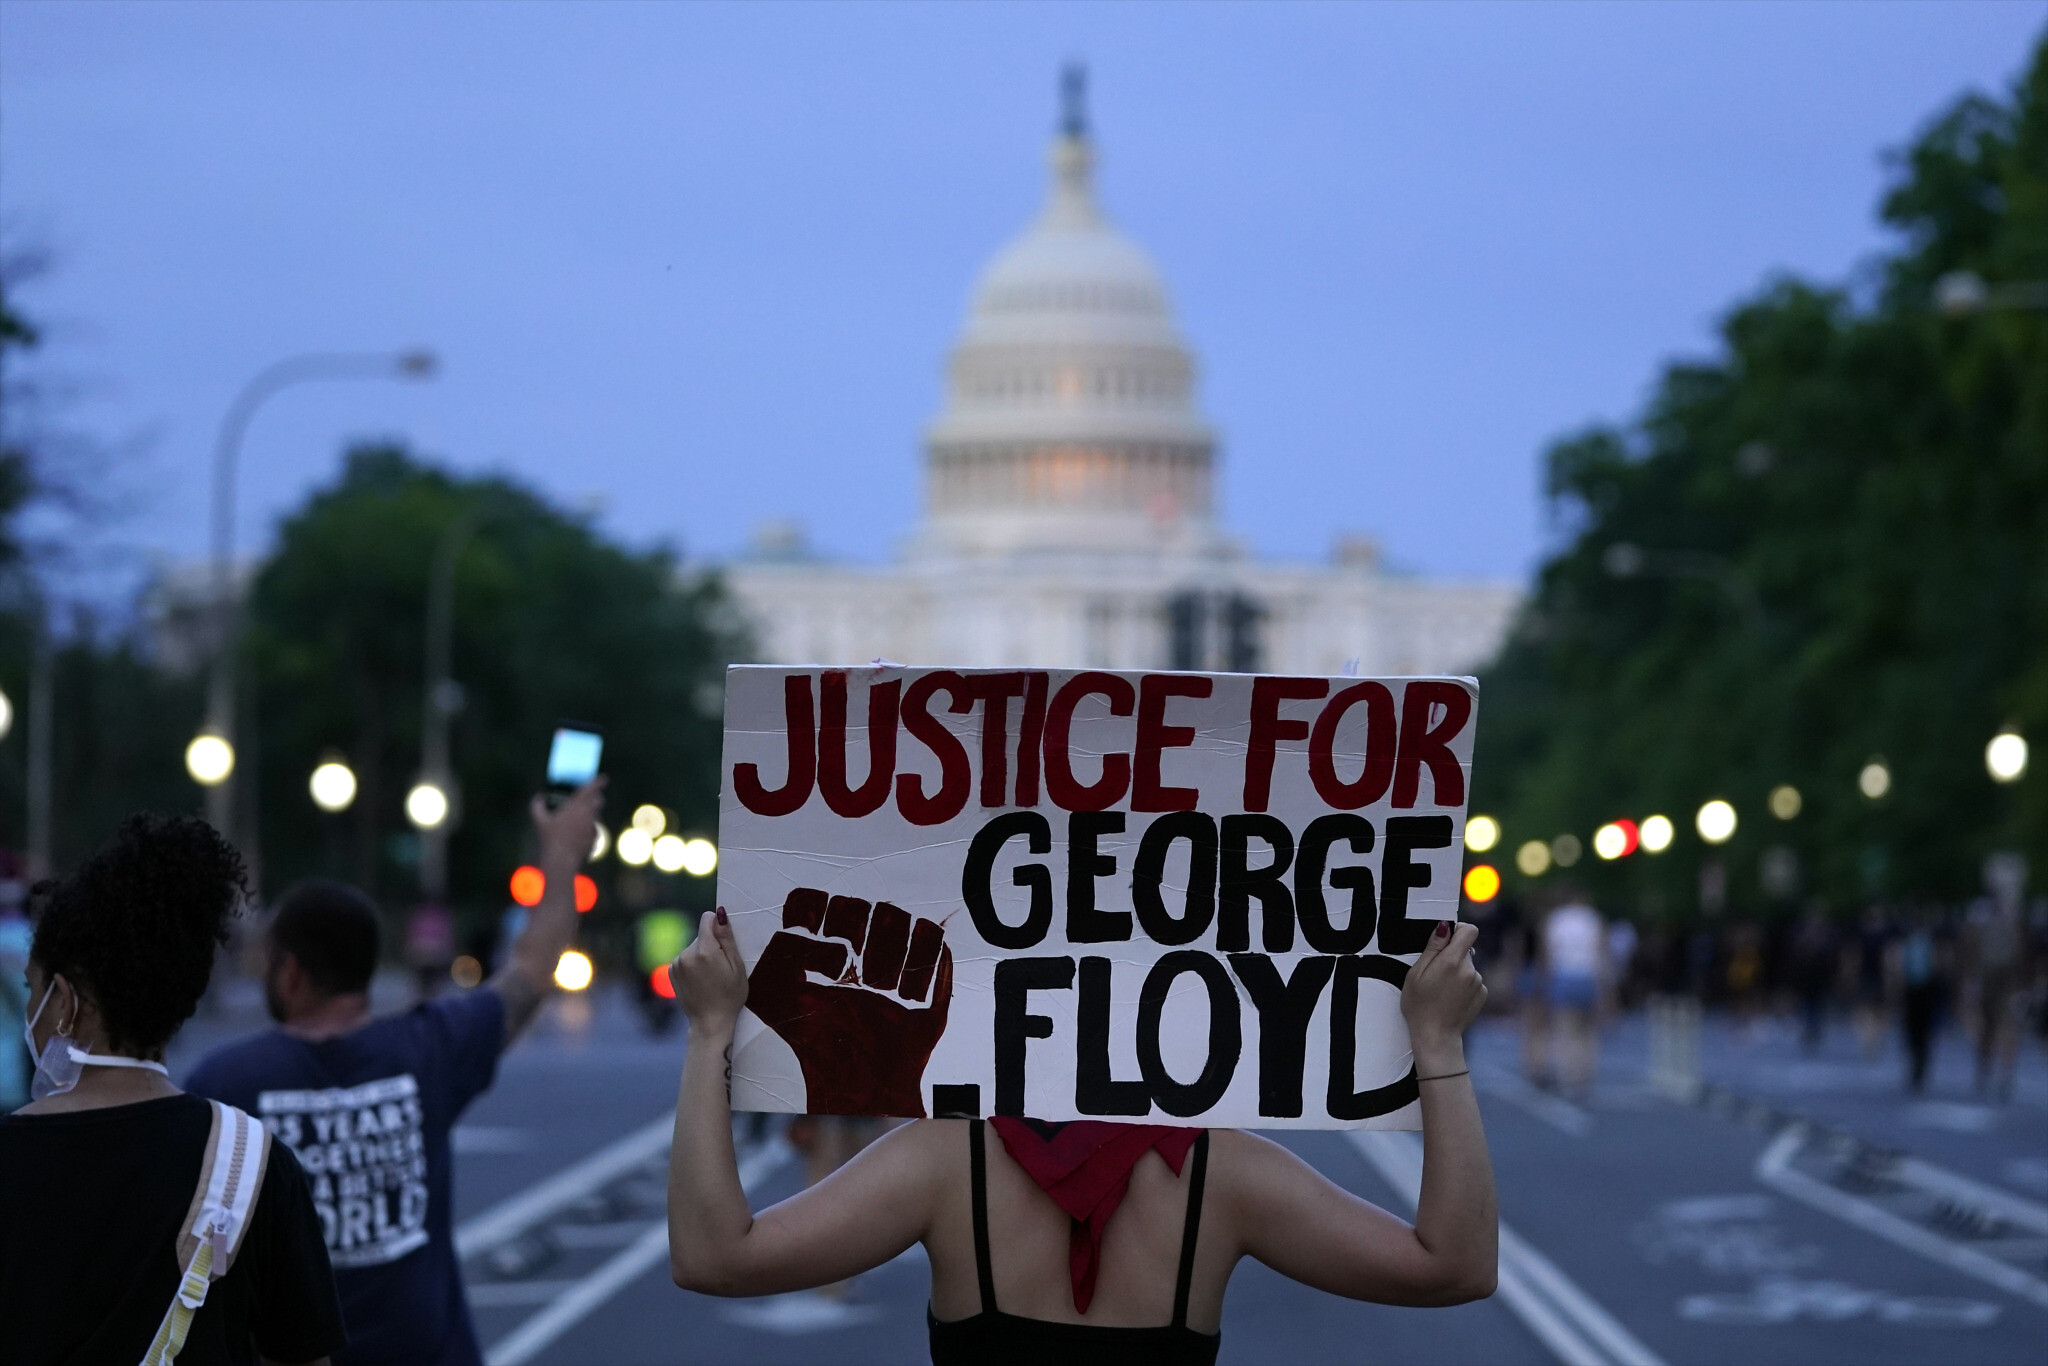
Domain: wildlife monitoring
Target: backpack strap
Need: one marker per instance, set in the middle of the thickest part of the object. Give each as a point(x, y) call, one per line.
point(230, 1177)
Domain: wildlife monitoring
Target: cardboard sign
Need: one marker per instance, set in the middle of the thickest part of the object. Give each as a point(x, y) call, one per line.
point(1185, 897)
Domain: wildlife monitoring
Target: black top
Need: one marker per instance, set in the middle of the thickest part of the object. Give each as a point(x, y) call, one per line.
point(90, 1208)
point(993, 1338)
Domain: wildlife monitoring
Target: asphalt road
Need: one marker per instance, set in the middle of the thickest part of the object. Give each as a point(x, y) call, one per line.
point(1791, 1209)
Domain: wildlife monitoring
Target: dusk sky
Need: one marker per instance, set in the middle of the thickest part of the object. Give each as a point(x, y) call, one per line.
point(701, 264)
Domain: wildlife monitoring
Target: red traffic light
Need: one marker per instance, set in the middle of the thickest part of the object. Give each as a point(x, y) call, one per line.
point(529, 884)
point(658, 979)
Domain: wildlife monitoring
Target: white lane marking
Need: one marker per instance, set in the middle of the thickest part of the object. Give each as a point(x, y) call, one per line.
point(513, 1294)
point(512, 1217)
point(1549, 1303)
point(580, 1297)
point(1556, 1111)
point(1774, 1169)
point(569, 1307)
point(478, 1140)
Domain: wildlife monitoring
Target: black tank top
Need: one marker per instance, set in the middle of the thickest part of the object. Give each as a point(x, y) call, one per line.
point(993, 1338)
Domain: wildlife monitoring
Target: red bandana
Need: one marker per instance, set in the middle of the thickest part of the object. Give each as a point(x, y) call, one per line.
point(1086, 1168)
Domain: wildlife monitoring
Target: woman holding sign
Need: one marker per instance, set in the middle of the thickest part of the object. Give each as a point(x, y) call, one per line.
point(1027, 1262)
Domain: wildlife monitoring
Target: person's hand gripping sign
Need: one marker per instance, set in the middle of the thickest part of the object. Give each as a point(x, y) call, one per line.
point(858, 990)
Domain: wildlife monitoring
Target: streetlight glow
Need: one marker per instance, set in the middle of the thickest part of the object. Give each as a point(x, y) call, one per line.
point(601, 844)
point(6, 715)
point(1875, 780)
point(426, 806)
point(650, 820)
point(636, 846)
point(700, 856)
point(1566, 849)
point(2005, 757)
point(209, 759)
point(1785, 801)
point(1616, 839)
point(1481, 834)
point(1656, 834)
point(668, 854)
point(572, 971)
point(333, 785)
point(1715, 822)
point(1533, 858)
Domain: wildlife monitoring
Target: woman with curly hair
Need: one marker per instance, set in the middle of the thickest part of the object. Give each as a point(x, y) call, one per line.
point(130, 1229)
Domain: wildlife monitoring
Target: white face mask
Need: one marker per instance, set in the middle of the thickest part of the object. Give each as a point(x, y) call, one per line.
point(59, 1063)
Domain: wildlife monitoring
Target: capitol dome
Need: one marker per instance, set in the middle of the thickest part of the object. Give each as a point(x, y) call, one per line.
point(1070, 421)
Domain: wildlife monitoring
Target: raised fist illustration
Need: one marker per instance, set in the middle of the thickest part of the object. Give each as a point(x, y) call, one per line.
point(859, 991)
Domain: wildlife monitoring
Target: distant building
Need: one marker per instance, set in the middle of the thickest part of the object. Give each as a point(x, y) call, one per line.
point(1070, 516)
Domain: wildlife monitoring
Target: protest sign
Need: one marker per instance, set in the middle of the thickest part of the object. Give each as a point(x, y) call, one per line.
point(1087, 894)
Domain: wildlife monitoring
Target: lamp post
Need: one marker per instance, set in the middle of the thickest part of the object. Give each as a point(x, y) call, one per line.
point(443, 699)
point(417, 364)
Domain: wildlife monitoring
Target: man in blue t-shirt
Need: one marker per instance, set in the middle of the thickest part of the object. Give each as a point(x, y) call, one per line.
point(367, 1103)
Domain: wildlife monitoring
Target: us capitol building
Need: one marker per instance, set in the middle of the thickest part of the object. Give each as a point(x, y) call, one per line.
point(1069, 510)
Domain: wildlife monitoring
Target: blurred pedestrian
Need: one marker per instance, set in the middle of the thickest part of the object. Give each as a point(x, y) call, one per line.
point(123, 1199)
point(1918, 968)
point(369, 1101)
point(1745, 976)
point(1575, 971)
point(1532, 1003)
point(1622, 942)
point(1994, 968)
point(1815, 961)
point(1017, 1274)
point(1872, 952)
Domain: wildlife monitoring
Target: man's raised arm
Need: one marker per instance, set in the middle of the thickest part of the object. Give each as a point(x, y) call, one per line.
point(567, 835)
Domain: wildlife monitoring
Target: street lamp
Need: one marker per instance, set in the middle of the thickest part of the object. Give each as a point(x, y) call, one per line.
point(1715, 821)
point(2005, 756)
point(700, 857)
point(1481, 834)
point(426, 806)
point(1656, 834)
point(1785, 801)
point(415, 364)
point(210, 759)
point(333, 785)
point(1874, 779)
point(6, 715)
point(443, 699)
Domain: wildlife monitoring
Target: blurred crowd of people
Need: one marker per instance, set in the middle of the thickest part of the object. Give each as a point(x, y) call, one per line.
point(1916, 968)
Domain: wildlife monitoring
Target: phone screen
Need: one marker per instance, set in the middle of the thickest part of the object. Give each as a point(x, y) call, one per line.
point(573, 757)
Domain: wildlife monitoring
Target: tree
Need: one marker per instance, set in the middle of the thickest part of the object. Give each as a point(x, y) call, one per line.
point(1826, 546)
point(550, 622)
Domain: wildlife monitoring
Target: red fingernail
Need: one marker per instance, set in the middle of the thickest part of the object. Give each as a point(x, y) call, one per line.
point(1443, 927)
point(721, 915)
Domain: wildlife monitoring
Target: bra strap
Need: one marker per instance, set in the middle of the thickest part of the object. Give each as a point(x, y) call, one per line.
point(978, 1166)
point(1191, 1232)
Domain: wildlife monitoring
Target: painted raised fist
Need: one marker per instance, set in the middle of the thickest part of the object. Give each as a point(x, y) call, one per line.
point(859, 991)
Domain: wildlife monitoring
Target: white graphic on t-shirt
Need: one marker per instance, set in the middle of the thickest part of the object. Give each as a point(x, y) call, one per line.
point(366, 1160)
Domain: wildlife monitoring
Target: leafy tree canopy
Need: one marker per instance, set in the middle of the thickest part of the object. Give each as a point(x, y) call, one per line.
point(550, 621)
point(1829, 544)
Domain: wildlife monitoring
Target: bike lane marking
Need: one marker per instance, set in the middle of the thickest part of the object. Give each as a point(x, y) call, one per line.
point(578, 1298)
point(1576, 1329)
point(1775, 1170)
